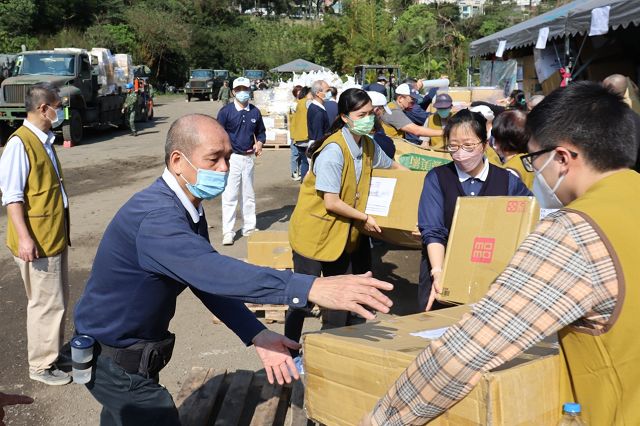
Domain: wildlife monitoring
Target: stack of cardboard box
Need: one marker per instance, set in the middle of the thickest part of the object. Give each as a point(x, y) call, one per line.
point(276, 125)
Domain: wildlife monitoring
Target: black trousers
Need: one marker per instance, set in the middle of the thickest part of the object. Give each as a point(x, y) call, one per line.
point(357, 262)
point(130, 399)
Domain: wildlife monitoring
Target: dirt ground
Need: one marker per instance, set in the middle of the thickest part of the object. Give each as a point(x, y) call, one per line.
point(100, 175)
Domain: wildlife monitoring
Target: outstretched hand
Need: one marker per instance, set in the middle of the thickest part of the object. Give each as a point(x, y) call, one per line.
point(273, 350)
point(351, 293)
point(6, 399)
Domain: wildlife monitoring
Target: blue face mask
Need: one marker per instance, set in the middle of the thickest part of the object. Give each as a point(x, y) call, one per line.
point(59, 118)
point(209, 184)
point(243, 97)
point(328, 96)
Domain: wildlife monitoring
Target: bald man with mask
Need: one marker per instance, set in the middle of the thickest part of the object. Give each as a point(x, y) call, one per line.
point(156, 246)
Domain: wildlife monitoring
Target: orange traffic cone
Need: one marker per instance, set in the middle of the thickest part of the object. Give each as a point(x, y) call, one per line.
point(68, 144)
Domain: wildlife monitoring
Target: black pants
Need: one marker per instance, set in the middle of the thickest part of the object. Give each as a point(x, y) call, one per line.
point(357, 262)
point(130, 399)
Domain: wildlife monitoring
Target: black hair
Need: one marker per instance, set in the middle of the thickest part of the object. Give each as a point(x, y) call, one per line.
point(304, 92)
point(474, 120)
point(510, 132)
point(350, 100)
point(296, 90)
point(592, 118)
point(40, 93)
point(334, 92)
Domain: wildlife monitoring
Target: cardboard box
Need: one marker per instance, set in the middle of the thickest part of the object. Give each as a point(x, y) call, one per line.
point(485, 234)
point(393, 202)
point(347, 370)
point(270, 248)
point(486, 94)
point(416, 158)
point(277, 136)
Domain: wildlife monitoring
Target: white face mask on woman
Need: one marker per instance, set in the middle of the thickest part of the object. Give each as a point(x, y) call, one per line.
point(546, 195)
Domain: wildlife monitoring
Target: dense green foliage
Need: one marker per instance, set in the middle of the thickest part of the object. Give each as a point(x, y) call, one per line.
point(170, 36)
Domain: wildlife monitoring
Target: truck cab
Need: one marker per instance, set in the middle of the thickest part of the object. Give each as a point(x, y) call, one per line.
point(73, 72)
point(200, 85)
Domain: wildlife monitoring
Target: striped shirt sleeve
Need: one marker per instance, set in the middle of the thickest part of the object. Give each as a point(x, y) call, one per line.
point(560, 274)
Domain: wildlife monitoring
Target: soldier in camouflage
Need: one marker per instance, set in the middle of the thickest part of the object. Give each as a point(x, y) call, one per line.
point(129, 107)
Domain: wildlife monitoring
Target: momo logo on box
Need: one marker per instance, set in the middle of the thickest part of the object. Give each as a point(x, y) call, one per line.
point(482, 251)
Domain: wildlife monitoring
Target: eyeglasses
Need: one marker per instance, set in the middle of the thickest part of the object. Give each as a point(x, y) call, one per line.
point(527, 160)
point(469, 147)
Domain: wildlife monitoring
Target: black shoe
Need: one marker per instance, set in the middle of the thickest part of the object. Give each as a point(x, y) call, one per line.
point(135, 133)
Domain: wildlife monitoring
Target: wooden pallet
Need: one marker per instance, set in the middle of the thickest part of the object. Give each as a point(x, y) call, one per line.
point(210, 397)
point(272, 313)
point(272, 146)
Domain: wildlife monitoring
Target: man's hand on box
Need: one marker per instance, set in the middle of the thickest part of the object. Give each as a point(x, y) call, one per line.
point(273, 350)
point(366, 420)
point(350, 293)
point(370, 225)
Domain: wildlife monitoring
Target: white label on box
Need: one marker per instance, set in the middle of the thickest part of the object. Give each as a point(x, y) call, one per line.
point(380, 196)
point(269, 122)
point(430, 334)
point(271, 135)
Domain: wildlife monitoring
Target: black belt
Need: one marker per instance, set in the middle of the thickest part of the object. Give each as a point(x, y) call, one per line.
point(126, 358)
point(244, 153)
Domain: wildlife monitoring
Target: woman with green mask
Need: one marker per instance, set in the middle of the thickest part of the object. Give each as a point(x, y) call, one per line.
point(325, 226)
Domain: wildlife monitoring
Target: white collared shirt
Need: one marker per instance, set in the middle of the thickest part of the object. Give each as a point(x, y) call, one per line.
point(173, 184)
point(239, 106)
point(15, 167)
point(316, 102)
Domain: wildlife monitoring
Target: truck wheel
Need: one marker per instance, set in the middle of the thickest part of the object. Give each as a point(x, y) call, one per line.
point(72, 128)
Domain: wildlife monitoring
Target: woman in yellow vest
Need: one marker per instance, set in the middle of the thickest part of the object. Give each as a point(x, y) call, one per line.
point(298, 132)
point(325, 226)
point(510, 140)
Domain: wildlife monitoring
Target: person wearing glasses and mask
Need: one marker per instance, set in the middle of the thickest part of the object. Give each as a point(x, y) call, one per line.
point(470, 174)
point(325, 225)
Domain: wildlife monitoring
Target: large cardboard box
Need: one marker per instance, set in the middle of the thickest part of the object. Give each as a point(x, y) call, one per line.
point(485, 234)
point(486, 94)
point(416, 158)
point(347, 370)
point(270, 248)
point(393, 202)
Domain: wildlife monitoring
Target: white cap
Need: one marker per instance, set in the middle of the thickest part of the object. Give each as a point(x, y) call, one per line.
point(484, 110)
point(403, 89)
point(379, 100)
point(241, 81)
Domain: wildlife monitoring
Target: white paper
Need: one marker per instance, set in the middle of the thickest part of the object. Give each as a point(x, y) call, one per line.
point(543, 35)
point(599, 21)
point(546, 212)
point(546, 62)
point(380, 196)
point(501, 46)
point(430, 334)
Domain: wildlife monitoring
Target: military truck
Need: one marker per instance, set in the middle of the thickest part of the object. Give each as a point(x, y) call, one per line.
point(74, 72)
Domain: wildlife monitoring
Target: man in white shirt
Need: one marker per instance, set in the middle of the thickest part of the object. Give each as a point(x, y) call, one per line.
point(32, 188)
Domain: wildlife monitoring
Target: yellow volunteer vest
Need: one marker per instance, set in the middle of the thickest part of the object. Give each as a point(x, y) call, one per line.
point(43, 205)
point(298, 122)
point(492, 156)
point(389, 130)
point(603, 369)
point(318, 234)
point(435, 122)
point(514, 163)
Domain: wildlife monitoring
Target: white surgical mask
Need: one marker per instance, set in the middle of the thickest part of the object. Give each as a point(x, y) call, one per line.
point(546, 195)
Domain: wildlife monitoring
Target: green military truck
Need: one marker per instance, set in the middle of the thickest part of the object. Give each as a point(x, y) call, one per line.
point(74, 71)
point(205, 83)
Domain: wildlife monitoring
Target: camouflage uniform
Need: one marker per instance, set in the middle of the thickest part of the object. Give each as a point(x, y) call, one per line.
point(130, 108)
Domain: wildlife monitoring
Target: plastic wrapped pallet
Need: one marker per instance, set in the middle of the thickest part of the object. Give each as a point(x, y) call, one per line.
point(106, 76)
point(123, 71)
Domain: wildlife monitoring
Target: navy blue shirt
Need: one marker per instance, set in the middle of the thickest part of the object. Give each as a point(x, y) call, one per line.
point(332, 111)
point(242, 126)
point(151, 251)
point(385, 143)
point(377, 87)
point(418, 116)
point(431, 220)
point(317, 122)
